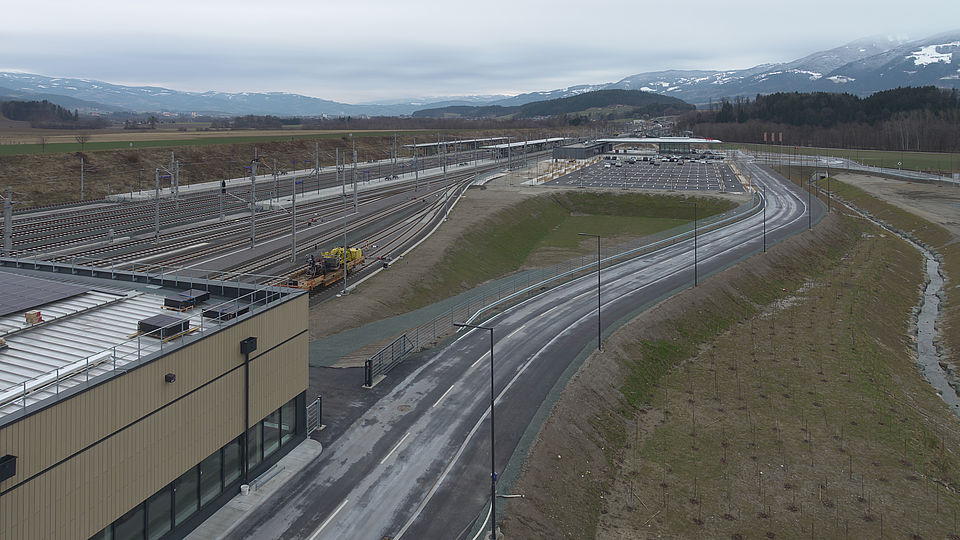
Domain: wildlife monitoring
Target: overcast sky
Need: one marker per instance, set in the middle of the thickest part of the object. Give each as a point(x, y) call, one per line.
point(367, 50)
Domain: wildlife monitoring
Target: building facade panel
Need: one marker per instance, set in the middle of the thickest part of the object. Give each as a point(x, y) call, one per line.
point(88, 459)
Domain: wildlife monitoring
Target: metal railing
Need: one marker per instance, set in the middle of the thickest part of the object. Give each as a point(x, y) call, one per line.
point(386, 359)
point(528, 284)
point(314, 415)
point(122, 356)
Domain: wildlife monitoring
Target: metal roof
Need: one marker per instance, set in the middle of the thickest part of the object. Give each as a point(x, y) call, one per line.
point(447, 143)
point(88, 335)
point(524, 143)
point(659, 140)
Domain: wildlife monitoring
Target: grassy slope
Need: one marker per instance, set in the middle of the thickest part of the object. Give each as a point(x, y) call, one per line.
point(820, 392)
point(507, 239)
point(933, 236)
point(917, 161)
point(813, 416)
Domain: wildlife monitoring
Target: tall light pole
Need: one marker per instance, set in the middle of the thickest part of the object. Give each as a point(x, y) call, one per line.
point(493, 463)
point(764, 218)
point(599, 326)
point(696, 280)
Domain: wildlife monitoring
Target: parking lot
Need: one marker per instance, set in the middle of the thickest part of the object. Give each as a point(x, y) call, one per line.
point(690, 176)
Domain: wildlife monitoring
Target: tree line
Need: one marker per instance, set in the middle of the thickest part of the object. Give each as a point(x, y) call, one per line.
point(922, 119)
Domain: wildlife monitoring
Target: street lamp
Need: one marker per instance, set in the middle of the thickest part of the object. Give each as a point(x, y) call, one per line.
point(599, 327)
point(694, 203)
point(764, 218)
point(493, 463)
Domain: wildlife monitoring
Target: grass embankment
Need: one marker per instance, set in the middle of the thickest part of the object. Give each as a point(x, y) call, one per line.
point(779, 399)
point(41, 179)
point(511, 238)
point(915, 161)
point(933, 236)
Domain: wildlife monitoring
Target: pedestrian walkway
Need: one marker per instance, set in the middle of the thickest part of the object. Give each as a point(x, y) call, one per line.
point(326, 352)
point(222, 523)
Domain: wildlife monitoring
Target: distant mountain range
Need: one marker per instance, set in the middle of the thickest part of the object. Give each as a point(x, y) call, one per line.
point(861, 67)
point(647, 102)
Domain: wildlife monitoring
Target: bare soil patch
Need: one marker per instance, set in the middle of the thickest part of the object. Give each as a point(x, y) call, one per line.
point(933, 202)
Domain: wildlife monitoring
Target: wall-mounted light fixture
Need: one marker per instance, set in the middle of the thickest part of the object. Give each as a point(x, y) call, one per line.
point(170, 377)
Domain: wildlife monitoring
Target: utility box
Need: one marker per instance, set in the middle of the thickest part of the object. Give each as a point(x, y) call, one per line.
point(8, 467)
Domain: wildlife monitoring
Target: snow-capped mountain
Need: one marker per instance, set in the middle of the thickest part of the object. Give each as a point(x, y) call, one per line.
point(807, 74)
point(932, 61)
point(861, 67)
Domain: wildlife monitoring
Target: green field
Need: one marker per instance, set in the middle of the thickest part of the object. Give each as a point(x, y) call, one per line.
point(916, 161)
point(56, 148)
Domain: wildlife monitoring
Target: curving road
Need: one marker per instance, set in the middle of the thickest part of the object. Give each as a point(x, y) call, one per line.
point(417, 463)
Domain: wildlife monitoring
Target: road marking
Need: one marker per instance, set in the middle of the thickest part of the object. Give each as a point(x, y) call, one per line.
point(483, 527)
point(329, 519)
point(386, 457)
point(478, 361)
point(443, 396)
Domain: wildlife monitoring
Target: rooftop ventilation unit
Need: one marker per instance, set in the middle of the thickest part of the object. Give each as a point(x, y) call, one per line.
point(163, 326)
point(186, 300)
point(225, 312)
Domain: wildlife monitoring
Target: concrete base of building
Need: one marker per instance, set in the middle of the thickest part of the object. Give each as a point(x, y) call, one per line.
point(228, 517)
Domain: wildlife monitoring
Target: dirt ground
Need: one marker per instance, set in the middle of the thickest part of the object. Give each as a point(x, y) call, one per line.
point(936, 203)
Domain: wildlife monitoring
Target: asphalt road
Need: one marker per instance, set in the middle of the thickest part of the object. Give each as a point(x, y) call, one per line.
point(416, 464)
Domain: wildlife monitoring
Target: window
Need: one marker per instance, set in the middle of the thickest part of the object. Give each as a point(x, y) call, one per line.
point(185, 495)
point(210, 478)
point(130, 525)
point(254, 442)
point(271, 433)
point(288, 421)
point(232, 466)
point(105, 534)
point(158, 513)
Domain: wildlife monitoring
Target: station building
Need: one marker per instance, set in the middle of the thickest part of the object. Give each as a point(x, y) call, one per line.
point(135, 404)
point(583, 150)
point(665, 145)
point(506, 149)
point(435, 148)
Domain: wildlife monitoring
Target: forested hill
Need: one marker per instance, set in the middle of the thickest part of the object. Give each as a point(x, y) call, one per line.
point(635, 103)
point(826, 110)
point(925, 119)
point(36, 111)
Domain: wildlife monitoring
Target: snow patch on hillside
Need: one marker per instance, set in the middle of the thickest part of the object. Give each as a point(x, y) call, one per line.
point(840, 79)
point(930, 54)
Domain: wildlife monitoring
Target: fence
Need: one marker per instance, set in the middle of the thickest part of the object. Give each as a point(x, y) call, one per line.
point(386, 359)
point(528, 284)
point(136, 349)
point(314, 415)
